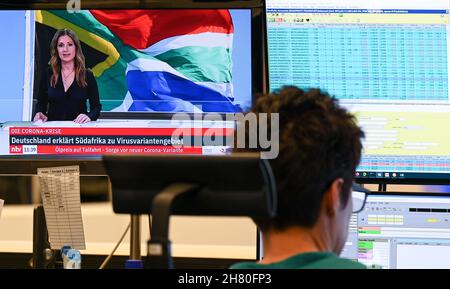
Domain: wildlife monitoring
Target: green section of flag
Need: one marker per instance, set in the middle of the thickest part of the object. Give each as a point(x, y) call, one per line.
point(112, 86)
point(200, 64)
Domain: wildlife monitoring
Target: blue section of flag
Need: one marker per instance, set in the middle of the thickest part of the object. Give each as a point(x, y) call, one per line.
point(166, 92)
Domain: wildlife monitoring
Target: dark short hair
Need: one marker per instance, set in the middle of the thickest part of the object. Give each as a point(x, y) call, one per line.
point(319, 142)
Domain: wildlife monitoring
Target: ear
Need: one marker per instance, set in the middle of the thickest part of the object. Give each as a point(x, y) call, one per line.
point(332, 197)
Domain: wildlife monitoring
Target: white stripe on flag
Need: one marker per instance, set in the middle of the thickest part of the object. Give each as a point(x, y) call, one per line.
point(145, 64)
point(222, 88)
point(207, 39)
point(127, 102)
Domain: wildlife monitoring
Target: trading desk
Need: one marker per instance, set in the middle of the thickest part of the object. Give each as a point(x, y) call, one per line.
point(192, 237)
point(195, 237)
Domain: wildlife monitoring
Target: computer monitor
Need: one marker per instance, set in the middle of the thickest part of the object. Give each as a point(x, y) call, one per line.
point(403, 230)
point(182, 59)
point(386, 61)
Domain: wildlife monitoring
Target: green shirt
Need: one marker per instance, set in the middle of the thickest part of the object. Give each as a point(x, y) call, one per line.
point(313, 260)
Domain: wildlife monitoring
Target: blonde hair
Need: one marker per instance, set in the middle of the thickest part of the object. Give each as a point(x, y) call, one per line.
point(55, 61)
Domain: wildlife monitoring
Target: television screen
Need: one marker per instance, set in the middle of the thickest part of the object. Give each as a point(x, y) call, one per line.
point(401, 231)
point(174, 66)
point(386, 61)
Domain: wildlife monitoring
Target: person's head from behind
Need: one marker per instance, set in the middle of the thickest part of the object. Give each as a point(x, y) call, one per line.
point(65, 48)
point(319, 150)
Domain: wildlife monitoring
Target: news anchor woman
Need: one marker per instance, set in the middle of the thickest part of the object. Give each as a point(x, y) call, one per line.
point(67, 85)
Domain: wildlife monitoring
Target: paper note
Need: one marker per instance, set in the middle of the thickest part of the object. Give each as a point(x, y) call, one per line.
point(60, 190)
point(1, 206)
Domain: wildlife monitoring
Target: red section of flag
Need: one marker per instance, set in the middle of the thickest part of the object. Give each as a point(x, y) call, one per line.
point(143, 28)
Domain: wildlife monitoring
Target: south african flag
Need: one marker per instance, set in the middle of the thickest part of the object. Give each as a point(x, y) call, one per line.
point(151, 60)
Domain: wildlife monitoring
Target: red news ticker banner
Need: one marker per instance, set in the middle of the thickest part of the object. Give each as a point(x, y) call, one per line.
point(48, 131)
point(57, 140)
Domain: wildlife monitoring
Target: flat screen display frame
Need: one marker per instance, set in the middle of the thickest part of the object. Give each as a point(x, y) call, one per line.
point(389, 176)
point(399, 194)
point(259, 71)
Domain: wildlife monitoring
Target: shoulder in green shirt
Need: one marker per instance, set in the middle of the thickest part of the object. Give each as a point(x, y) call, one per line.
point(313, 260)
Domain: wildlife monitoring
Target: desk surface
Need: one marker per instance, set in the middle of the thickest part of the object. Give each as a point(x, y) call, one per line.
point(192, 237)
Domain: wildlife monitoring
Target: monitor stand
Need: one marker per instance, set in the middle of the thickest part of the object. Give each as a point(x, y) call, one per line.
point(135, 261)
